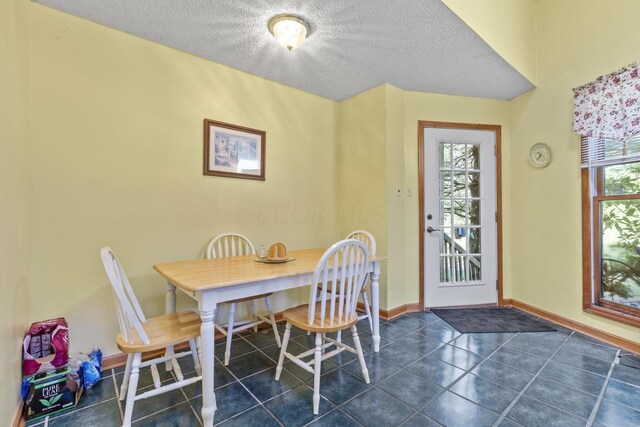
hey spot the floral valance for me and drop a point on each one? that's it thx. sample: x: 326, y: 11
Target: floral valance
x: 609, y: 107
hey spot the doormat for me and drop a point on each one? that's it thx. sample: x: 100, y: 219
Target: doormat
x: 486, y: 320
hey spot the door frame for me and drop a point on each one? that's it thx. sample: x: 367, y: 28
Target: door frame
x: 422, y: 125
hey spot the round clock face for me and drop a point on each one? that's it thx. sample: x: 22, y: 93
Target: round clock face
x: 540, y: 155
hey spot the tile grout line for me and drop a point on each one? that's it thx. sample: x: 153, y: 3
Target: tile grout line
x: 412, y: 412
x: 415, y: 411
x: 155, y: 413
x: 186, y: 398
x: 115, y: 386
x: 337, y: 407
x: 419, y: 414
x: 173, y: 378
x: 596, y: 407
x: 303, y: 382
x: 526, y: 387
x: 193, y: 410
x: 449, y: 342
x: 468, y: 372
x: 247, y: 389
x: 547, y: 379
x: 563, y: 362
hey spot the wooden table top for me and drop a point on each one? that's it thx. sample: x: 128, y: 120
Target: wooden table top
x: 205, y: 274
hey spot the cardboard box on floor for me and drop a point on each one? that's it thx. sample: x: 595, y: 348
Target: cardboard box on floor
x: 51, y: 393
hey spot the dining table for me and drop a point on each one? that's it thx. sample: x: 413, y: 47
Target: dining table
x: 214, y: 281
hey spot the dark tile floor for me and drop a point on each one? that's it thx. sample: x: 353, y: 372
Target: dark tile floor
x: 426, y: 374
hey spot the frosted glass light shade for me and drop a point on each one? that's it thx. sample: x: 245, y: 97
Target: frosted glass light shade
x: 290, y: 31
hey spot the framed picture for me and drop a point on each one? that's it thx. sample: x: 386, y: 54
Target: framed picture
x: 233, y: 151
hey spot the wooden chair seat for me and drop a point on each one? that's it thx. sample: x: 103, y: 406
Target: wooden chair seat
x: 299, y: 317
x: 163, y: 331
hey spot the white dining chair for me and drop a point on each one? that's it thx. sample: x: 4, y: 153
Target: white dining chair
x: 344, y: 264
x: 370, y: 241
x: 233, y: 244
x: 139, y: 335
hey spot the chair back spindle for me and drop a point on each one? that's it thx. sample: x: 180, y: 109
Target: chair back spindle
x: 229, y: 244
x: 366, y: 238
x: 344, y: 264
x: 128, y: 309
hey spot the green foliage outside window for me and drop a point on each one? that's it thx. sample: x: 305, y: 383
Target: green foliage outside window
x: 621, y: 236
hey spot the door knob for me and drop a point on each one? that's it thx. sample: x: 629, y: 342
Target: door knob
x: 430, y: 229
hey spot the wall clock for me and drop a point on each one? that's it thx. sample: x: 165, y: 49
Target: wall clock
x: 540, y: 155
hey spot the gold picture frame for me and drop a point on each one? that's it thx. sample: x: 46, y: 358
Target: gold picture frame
x: 234, y: 151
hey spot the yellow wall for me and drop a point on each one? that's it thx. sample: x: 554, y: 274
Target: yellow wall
x: 14, y: 202
x: 116, y: 159
x: 578, y: 42
x: 362, y: 184
x: 508, y: 26
x: 395, y: 265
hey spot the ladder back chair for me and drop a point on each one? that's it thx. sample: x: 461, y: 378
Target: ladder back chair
x: 228, y: 245
x: 343, y: 264
x: 139, y: 334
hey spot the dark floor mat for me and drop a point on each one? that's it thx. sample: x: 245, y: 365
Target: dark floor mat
x: 495, y: 319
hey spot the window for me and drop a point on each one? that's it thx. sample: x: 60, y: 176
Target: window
x: 606, y: 112
x: 611, y: 227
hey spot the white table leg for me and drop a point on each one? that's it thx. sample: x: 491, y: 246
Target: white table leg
x: 170, y: 307
x: 170, y: 300
x: 207, y: 362
x: 375, y: 306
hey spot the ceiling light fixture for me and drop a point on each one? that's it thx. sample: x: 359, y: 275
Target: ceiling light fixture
x: 289, y: 30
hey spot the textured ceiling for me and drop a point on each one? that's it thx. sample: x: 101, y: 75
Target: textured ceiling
x: 354, y: 45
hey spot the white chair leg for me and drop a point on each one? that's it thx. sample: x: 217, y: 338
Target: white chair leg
x: 267, y: 301
x: 339, y: 336
x: 168, y: 365
x: 367, y: 309
x: 317, y: 370
x: 356, y: 341
x: 131, y: 393
x: 317, y: 297
x: 125, y: 379
x: 196, y: 358
x: 252, y: 307
x: 199, y: 346
x: 283, y: 349
x: 227, y: 351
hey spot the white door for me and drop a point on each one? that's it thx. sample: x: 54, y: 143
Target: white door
x: 460, y: 217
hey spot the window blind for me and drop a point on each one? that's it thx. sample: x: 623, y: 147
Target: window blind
x: 605, y: 151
